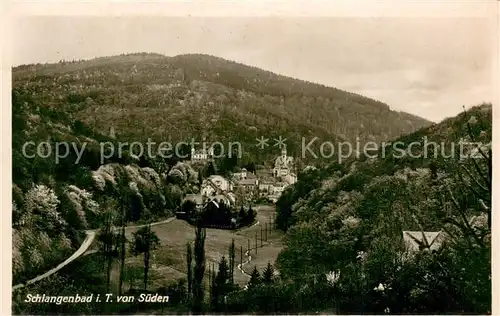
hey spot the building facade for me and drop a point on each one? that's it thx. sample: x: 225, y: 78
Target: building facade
x: 283, y: 164
x: 202, y: 155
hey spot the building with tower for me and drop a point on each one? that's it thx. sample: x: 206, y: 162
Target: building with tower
x: 202, y: 155
x: 283, y: 165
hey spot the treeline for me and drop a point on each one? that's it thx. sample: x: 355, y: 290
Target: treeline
x: 138, y: 95
x: 345, y: 229
x: 55, y: 201
x: 218, y: 215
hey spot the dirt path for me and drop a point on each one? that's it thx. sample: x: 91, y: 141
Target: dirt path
x: 144, y: 225
x: 85, y: 245
x: 89, y: 239
x: 91, y: 234
x: 247, y: 253
x: 240, y: 266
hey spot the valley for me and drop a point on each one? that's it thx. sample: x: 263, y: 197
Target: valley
x: 266, y: 231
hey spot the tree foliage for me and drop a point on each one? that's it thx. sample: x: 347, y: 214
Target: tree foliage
x: 144, y: 241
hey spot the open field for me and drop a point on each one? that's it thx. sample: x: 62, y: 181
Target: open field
x: 168, y: 262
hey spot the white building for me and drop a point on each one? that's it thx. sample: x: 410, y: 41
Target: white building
x: 197, y: 199
x: 278, y: 188
x: 201, y: 155
x: 417, y: 240
x: 221, y: 199
x: 283, y: 165
x: 240, y: 175
x: 290, y: 178
x: 216, y: 184
x: 266, y: 187
x: 208, y: 188
x: 222, y: 183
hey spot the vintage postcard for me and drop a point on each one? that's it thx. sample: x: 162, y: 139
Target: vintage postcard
x: 296, y: 157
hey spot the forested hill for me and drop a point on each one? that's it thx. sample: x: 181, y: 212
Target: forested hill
x: 351, y: 217
x: 177, y: 98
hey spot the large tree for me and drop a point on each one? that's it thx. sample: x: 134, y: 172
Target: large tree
x: 108, y: 241
x: 268, y: 274
x: 189, y: 268
x: 199, y: 267
x: 221, y: 285
x: 144, y: 241
x: 232, y: 255
x: 254, y: 277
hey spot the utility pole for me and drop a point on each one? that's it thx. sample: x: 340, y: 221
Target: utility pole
x: 255, y: 242
x: 265, y: 233
x: 209, y: 275
x: 260, y: 236
x: 122, y: 250
x: 270, y: 225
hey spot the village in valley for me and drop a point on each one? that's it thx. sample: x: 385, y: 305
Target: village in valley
x: 239, y: 190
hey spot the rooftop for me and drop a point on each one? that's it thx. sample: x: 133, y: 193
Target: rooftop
x: 414, y: 239
x: 196, y: 198
x: 248, y: 182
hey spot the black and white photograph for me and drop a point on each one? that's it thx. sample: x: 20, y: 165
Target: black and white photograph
x: 253, y: 160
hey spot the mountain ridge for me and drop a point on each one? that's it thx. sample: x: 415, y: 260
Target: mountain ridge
x: 221, y: 59
x: 180, y: 57
x: 199, y: 95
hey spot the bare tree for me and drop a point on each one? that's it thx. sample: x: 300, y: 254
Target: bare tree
x: 473, y: 179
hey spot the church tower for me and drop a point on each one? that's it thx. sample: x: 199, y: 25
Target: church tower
x: 283, y: 153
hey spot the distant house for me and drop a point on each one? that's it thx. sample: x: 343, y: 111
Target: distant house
x: 231, y: 197
x: 201, y: 202
x: 240, y: 175
x: 221, y: 183
x: 309, y: 168
x: 249, y: 185
x: 197, y: 199
x: 251, y: 175
x: 266, y: 187
x: 264, y: 173
x: 202, y: 155
x: 273, y: 198
x: 216, y: 184
x: 221, y: 199
x: 417, y: 240
x: 208, y: 188
x: 278, y: 188
x: 290, y: 178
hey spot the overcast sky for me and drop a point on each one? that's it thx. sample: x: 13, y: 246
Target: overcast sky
x: 429, y: 67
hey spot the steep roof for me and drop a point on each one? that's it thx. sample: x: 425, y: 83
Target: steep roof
x: 251, y: 175
x: 283, y: 162
x: 248, y: 182
x: 415, y: 238
x: 216, y: 176
x: 208, y: 182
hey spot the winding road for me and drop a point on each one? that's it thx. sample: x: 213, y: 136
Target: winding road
x: 240, y: 266
x: 247, y: 253
x: 89, y: 239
